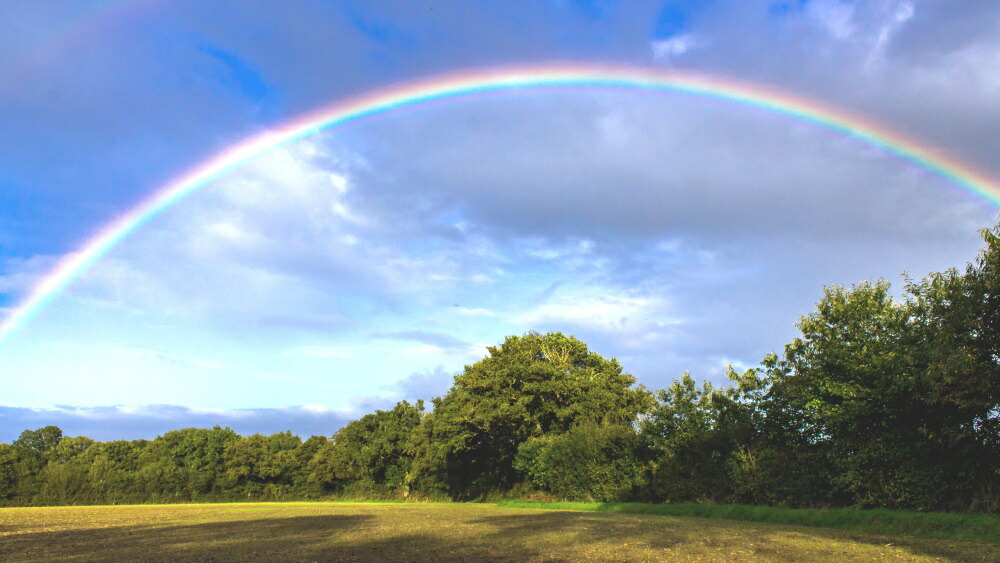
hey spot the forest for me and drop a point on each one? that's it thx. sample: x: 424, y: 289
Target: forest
x: 883, y: 400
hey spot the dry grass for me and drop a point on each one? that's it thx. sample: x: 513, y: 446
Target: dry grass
x: 368, y: 531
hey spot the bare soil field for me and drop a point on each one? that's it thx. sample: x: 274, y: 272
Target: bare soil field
x: 408, y: 532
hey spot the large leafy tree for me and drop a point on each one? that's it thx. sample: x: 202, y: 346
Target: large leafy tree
x: 527, y: 387
x: 259, y: 466
x: 956, y: 332
x: 849, y: 379
x: 112, y: 471
x: 32, y: 451
x: 186, y: 464
x: 902, y: 398
x: 8, y: 472
x: 369, y: 453
x: 689, y: 448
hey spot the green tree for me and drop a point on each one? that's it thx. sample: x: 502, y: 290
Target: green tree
x: 8, y: 472
x: 688, y: 443
x: 776, y: 458
x: 901, y: 397
x: 369, y: 455
x: 187, y: 464
x: 307, y: 450
x: 112, y: 469
x: 955, y: 322
x: 850, y: 375
x: 528, y: 386
x: 32, y: 451
x: 259, y: 467
x: 589, y: 462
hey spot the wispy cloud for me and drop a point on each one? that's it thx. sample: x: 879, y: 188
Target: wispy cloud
x: 836, y: 16
x: 602, y: 308
x: 19, y: 275
x: 440, y: 340
x: 667, y: 50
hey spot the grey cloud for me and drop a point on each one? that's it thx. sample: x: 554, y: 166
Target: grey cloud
x: 658, y: 171
x: 940, y: 26
x: 426, y: 385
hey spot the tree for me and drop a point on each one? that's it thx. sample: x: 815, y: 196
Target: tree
x: 688, y: 442
x: 369, y: 453
x: 8, y: 472
x: 41, y: 441
x: 112, y: 469
x: 589, y: 462
x: 307, y: 450
x: 778, y: 457
x: 527, y: 387
x: 902, y: 397
x: 32, y: 451
x: 955, y: 321
x: 187, y: 464
x: 259, y: 466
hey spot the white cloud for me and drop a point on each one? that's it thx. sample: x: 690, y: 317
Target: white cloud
x: 972, y: 72
x: 668, y: 49
x: 897, y: 18
x: 836, y: 16
x: 20, y: 275
x: 598, y: 308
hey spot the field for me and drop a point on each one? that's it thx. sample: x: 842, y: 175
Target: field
x: 396, y: 531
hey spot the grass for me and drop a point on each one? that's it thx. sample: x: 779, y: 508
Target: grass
x: 433, y: 531
x: 968, y: 527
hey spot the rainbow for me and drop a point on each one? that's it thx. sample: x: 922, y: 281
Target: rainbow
x: 464, y: 84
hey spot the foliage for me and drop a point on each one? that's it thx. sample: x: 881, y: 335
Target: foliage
x: 370, y: 452
x: 527, y: 387
x: 688, y: 446
x: 590, y: 461
x: 8, y: 472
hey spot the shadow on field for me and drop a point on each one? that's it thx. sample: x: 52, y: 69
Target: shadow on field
x: 312, y: 538
x: 269, y: 538
x: 584, y: 528
x: 416, y: 533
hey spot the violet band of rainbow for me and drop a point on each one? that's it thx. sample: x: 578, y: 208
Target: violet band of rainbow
x: 470, y: 83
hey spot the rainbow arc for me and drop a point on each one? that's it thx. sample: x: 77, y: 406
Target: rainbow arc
x: 464, y: 84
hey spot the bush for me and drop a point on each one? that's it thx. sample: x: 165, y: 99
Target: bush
x: 595, y: 462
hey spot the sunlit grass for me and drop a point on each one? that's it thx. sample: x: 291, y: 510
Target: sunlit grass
x: 971, y: 527
x: 432, y: 531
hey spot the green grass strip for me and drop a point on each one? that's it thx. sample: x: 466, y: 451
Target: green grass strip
x: 969, y: 527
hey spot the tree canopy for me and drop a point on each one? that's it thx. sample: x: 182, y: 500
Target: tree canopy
x: 529, y: 386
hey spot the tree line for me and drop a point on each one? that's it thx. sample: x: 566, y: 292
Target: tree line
x: 881, y: 401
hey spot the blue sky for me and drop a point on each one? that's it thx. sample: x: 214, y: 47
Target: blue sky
x: 368, y: 264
